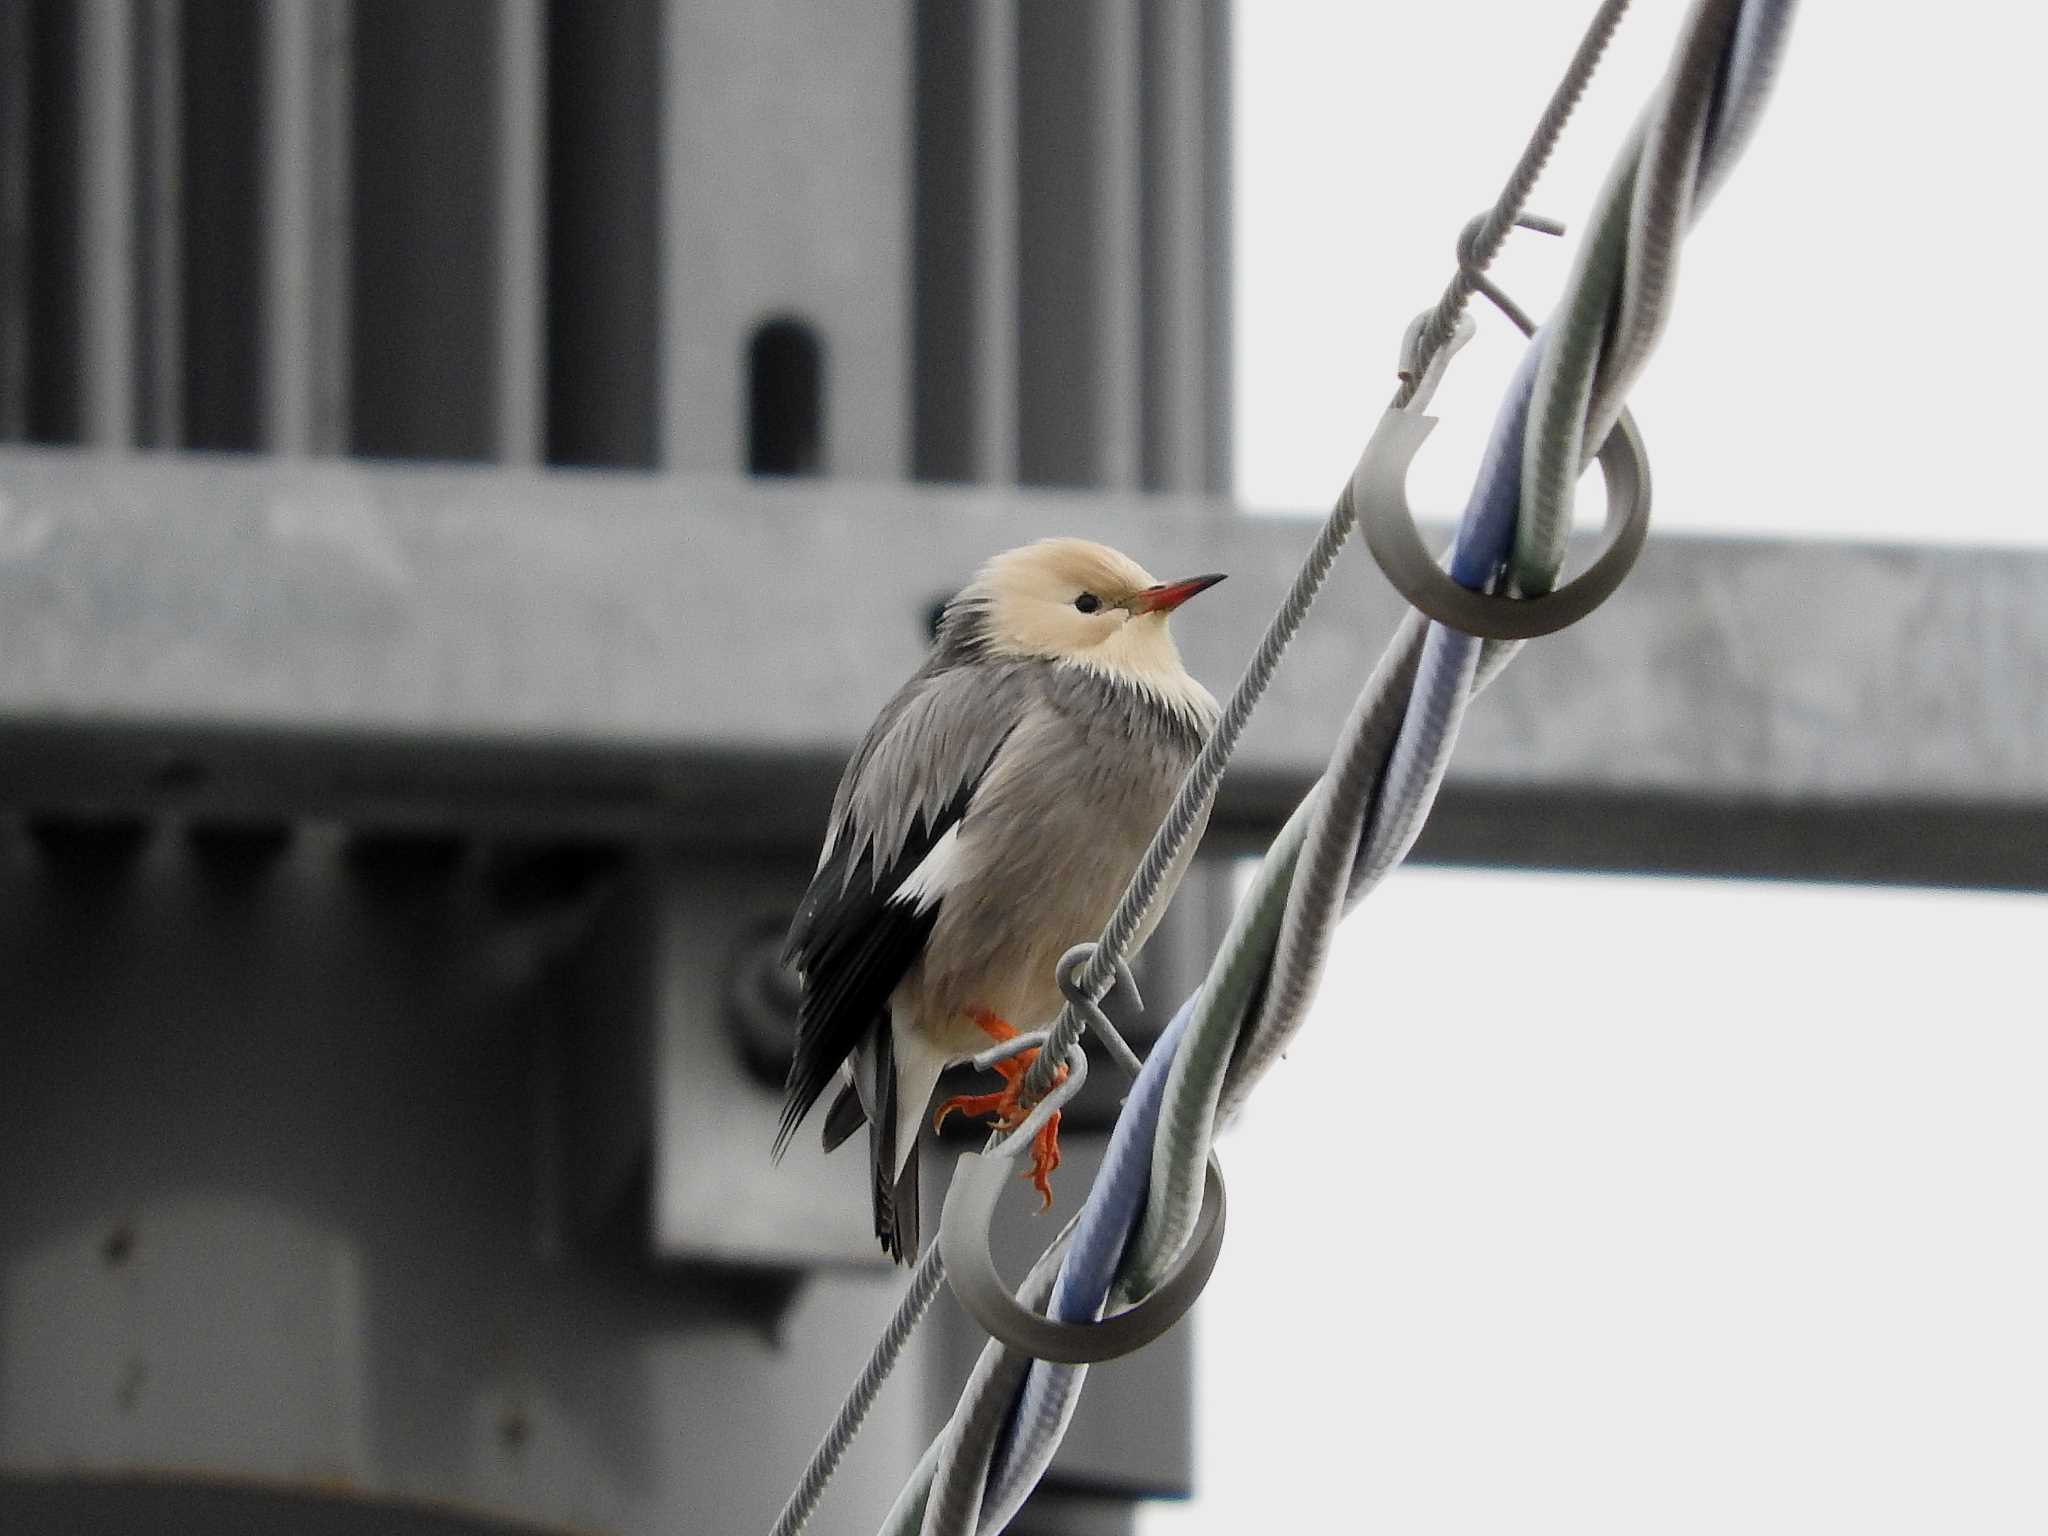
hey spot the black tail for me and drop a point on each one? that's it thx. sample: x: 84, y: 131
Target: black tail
x: 895, y: 1198
x: 896, y: 1211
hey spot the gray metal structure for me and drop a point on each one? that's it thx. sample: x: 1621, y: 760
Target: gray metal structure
x: 392, y: 849
x: 388, y: 1077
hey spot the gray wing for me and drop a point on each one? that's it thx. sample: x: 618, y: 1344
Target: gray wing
x: 928, y: 748
x: 911, y: 781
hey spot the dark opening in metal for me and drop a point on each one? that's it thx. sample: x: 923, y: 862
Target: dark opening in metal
x: 786, y: 399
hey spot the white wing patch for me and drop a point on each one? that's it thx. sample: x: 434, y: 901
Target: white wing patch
x: 938, y: 872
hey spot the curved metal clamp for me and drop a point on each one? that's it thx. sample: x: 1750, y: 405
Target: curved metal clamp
x: 978, y: 1182
x: 1380, y: 491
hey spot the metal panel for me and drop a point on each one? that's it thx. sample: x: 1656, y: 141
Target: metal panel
x: 785, y: 192
x: 716, y: 1196
x: 272, y: 1198
x: 498, y: 646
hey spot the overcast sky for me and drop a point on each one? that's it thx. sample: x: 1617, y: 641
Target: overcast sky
x: 1855, y: 344
x: 1745, y: 1231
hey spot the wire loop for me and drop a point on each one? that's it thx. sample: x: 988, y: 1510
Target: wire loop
x: 1474, y: 273
x: 1072, y: 974
x: 964, y: 1227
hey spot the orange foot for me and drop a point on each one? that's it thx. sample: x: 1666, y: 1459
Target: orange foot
x: 1005, y: 1106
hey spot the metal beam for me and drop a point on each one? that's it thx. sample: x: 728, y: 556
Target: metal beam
x: 698, y: 657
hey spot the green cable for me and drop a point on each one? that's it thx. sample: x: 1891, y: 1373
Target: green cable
x: 1617, y: 297
x: 1187, y: 1114
x: 1554, y: 448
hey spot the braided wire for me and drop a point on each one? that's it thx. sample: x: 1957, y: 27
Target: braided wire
x: 925, y: 1281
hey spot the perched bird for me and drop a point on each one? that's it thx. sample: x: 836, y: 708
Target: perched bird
x: 988, y: 823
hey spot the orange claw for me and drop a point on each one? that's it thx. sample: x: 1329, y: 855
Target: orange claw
x: 1008, y: 1111
x: 1045, y: 1156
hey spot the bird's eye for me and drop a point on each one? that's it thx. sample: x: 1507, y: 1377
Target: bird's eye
x: 1088, y: 602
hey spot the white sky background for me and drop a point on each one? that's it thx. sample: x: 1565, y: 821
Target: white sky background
x: 1744, y: 1231
x: 1857, y: 339
x: 1733, y: 1221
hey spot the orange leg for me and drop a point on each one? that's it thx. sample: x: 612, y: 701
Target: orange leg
x: 1005, y: 1106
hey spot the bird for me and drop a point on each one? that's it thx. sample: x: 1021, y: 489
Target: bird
x: 989, y: 821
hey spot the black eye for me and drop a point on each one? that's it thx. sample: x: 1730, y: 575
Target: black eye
x: 1088, y: 602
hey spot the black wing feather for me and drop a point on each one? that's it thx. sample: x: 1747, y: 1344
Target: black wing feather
x: 846, y: 1116
x: 853, y: 942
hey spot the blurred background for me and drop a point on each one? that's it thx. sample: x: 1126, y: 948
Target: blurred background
x: 472, y: 470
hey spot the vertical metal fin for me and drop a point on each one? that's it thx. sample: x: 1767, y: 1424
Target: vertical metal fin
x: 521, y: 233
x: 306, y: 175
x: 107, y: 234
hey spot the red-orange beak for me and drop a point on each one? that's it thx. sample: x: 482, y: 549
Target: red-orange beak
x: 1169, y: 595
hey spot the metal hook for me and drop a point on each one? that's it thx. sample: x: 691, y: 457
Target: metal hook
x: 1475, y: 276
x: 1076, y: 959
x: 1380, y: 491
x: 1068, y: 972
x: 964, y: 1225
x: 1423, y: 381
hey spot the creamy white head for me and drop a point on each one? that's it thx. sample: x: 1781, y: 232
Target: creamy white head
x: 1082, y: 604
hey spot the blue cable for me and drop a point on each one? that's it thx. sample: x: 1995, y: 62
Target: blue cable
x: 1093, y: 1254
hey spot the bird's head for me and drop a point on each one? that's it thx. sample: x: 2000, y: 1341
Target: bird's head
x: 1073, y: 601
